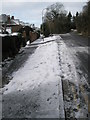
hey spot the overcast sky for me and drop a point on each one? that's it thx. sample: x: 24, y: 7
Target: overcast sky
x: 31, y: 12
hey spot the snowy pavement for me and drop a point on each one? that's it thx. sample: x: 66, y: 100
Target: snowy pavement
x: 46, y: 86
x: 36, y: 85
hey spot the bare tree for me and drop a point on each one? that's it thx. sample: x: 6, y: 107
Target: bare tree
x: 56, y: 20
x: 82, y: 20
x: 54, y: 11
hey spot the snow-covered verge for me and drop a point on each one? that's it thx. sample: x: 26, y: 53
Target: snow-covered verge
x: 75, y: 98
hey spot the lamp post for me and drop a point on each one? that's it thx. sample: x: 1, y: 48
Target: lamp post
x: 43, y: 21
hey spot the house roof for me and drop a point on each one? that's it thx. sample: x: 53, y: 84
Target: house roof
x: 16, y: 21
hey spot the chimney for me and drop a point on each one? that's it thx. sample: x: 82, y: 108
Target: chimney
x: 8, y: 19
x: 12, y: 17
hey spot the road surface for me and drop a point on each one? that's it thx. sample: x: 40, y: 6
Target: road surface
x: 78, y: 47
x: 48, y: 80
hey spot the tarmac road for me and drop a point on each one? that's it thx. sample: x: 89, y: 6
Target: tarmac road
x: 78, y: 47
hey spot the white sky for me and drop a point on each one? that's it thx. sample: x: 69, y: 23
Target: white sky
x: 31, y: 12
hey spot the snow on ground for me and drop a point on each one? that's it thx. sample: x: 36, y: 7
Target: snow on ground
x: 47, y: 39
x: 38, y: 67
x: 67, y: 64
x: 41, y: 70
x: 70, y: 76
x: 51, y: 38
x: 44, y: 70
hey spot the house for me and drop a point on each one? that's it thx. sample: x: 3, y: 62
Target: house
x: 3, y: 18
x: 9, y: 24
x: 13, y: 24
